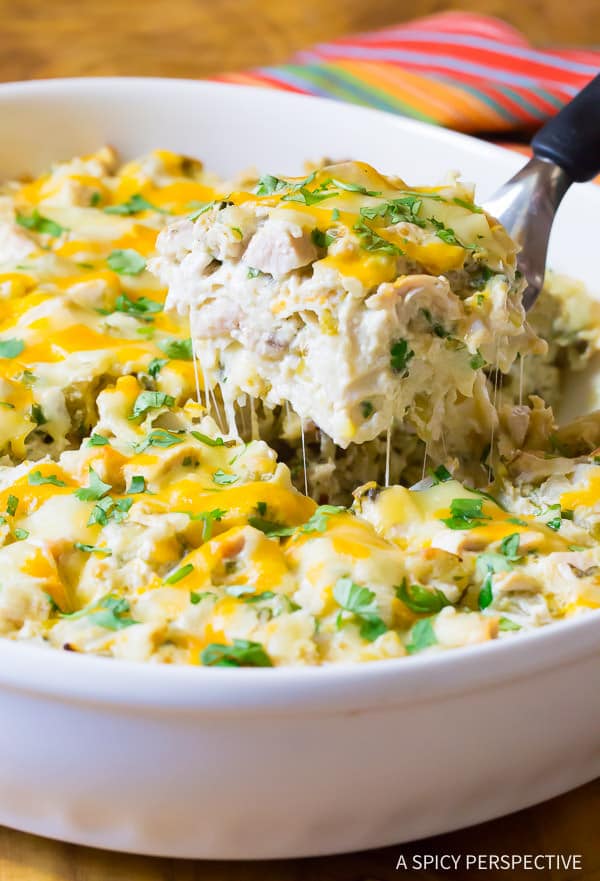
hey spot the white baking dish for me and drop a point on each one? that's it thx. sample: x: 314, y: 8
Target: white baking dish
x: 247, y: 763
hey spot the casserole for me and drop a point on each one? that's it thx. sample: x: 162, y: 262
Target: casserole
x: 310, y: 738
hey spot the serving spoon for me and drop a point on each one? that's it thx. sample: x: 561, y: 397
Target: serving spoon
x: 565, y: 151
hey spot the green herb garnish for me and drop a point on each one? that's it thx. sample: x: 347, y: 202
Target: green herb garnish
x: 36, y: 478
x: 133, y: 205
x: 155, y: 366
x: 362, y: 603
x: 366, y: 408
x: 242, y: 653
x: 180, y: 574
x: 11, y: 348
x: 146, y: 401
x: 92, y: 549
x: 37, y: 223
x: 126, y: 261
x: 209, y: 441
x: 137, y: 485
x: 158, y: 437
x: 208, y: 518
x: 95, y: 490
x: 141, y: 307
x: 421, y: 636
x: 465, y: 514
x: 224, y: 479
x: 421, y: 600
x: 400, y: 355
x: 371, y: 241
x: 179, y: 350
x: 510, y: 546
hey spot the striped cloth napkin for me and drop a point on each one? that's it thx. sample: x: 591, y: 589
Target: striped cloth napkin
x: 468, y: 72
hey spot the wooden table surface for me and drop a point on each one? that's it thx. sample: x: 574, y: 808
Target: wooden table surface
x: 196, y: 38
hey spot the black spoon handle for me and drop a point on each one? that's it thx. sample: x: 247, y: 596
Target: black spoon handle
x: 572, y: 138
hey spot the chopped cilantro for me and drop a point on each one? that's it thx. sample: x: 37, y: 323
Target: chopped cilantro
x: 12, y: 504
x: 36, y: 478
x: 113, y: 614
x: 260, y: 597
x: 180, y: 574
x: 362, y: 603
x: 110, y: 612
x: 196, y: 598
x: 208, y: 518
x: 126, y: 261
x: 510, y: 546
x: 271, y: 528
x: 37, y: 415
x: 268, y: 185
x: 404, y: 210
x: 209, y: 441
x: 7, y: 405
x: 95, y: 490
x: 21, y: 534
x: 133, y: 205
x: 505, y: 624
x: 158, y: 437
x: 242, y: 653
x: 92, y: 549
x: 371, y: 241
x: 146, y: 401
x: 321, y: 239
x: 201, y: 208
x: 366, y: 408
x: 143, y: 306
x: 155, y: 366
x: 11, y: 348
x: 477, y: 361
x: 465, y: 514
x: 179, y: 350
x: 95, y: 199
x: 353, y: 188
x: 224, y: 479
x: 421, y: 600
x: 400, y: 355
x: 438, y: 329
x: 108, y: 509
x: 486, y: 596
x: 307, y: 197
x: 254, y: 273
x: 37, y: 223
x: 421, y: 636
x: 97, y: 440
x: 137, y: 485
x: 446, y: 234
x: 441, y: 475
x: 318, y: 521
x: 470, y: 206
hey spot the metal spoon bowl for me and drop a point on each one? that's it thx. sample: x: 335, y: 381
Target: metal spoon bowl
x: 565, y: 151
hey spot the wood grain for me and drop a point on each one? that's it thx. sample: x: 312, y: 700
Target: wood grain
x: 566, y: 825
x: 195, y: 38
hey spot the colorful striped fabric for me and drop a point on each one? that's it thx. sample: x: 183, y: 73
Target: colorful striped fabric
x: 468, y: 72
